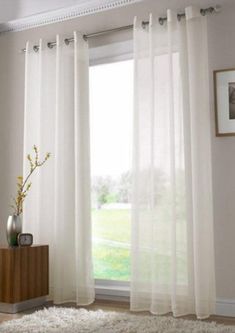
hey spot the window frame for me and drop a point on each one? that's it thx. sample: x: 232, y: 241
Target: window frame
x: 106, y: 54
x: 110, y: 53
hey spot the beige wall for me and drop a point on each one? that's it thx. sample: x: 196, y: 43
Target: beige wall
x: 221, y: 29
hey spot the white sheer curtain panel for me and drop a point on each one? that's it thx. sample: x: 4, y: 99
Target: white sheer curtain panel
x: 172, y: 216
x: 57, y: 210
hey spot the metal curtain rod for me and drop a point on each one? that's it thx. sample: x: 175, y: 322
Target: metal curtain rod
x: 161, y: 20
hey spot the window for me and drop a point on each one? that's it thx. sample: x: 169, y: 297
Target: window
x: 111, y: 95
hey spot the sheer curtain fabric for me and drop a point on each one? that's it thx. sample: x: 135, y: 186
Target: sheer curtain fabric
x: 57, y: 210
x: 172, y: 216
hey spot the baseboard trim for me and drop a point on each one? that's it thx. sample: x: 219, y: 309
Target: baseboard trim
x: 225, y: 307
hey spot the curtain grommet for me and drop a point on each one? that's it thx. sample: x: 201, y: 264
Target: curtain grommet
x: 144, y: 24
x: 50, y: 45
x: 36, y: 48
x: 180, y: 16
x: 161, y: 20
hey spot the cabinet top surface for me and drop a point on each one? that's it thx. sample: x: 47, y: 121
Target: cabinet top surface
x: 6, y: 247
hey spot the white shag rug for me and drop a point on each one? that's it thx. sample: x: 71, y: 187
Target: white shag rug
x: 69, y: 320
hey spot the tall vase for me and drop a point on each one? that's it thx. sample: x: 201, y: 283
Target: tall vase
x: 14, y: 227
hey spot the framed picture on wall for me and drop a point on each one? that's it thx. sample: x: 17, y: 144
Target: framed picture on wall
x: 224, y: 90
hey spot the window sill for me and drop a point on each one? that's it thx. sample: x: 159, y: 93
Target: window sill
x: 112, y: 290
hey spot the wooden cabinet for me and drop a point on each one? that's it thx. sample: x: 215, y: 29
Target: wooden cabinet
x: 24, y: 273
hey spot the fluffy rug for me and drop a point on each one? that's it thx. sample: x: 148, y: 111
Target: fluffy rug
x: 68, y: 320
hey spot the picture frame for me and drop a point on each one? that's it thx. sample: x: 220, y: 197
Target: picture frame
x: 224, y: 94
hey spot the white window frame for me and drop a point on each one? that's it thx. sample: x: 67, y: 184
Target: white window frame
x: 109, y: 53
x: 112, y: 289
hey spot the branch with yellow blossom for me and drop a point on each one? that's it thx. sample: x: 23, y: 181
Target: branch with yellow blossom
x: 23, y: 186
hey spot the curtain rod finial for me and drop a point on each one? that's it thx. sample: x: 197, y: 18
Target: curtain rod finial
x: 217, y: 8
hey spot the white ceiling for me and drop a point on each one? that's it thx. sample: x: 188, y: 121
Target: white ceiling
x: 16, y: 9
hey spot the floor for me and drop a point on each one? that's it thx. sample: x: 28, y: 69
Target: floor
x: 116, y: 306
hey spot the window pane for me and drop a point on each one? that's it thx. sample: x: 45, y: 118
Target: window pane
x: 111, y: 96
